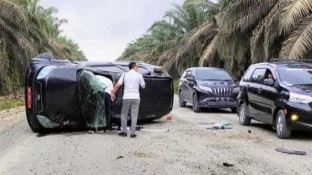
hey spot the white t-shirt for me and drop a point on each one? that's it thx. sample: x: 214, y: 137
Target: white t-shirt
x: 132, y: 82
x: 107, y: 82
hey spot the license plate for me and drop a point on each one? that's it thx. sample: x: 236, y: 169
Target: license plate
x: 223, y: 99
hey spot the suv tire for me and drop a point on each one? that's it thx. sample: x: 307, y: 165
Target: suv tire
x: 195, y: 106
x: 283, y: 131
x: 182, y: 103
x: 243, y: 118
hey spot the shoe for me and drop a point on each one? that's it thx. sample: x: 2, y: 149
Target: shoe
x: 133, y: 136
x: 91, y: 132
x: 123, y: 134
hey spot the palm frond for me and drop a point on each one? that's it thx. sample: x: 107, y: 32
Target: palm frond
x: 299, y: 44
x: 241, y: 15
x: 294, y: 11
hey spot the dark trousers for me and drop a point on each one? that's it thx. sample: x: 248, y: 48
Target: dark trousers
x: 108, y: 110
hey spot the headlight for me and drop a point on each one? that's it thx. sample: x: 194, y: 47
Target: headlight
x: 299, y: 98
x: 203, y: 88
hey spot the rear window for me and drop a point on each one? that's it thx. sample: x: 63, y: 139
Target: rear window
x: 45, y: 72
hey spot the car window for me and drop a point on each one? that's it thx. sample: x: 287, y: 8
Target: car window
x: 258, y: 75
x: 248, y: 74
x: 183, y: 75
x: 268, y: 74
x: 188, y: 74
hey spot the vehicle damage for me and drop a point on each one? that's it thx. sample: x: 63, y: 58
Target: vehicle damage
x: 62, y: 94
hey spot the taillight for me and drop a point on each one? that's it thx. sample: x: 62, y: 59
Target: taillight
x: 29, y: 98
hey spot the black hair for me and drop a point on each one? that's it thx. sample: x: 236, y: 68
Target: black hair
x: 132, y: 65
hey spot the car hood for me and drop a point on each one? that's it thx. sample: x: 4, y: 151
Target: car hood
x: 218, y: 83
x: 304, y: 89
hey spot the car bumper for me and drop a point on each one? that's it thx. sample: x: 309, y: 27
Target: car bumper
x: 304, y: 113
x: 206, y: 100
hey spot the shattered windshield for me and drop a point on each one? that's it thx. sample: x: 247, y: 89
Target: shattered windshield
x: 212, y: 74
x: 296, y: 75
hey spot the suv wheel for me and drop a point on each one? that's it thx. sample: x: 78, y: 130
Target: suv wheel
x: 182, y: 103
x: 282, y: 129
x: 243, y: 118
x: 195, y: 106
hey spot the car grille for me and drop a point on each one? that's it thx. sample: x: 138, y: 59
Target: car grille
x: 222, y: 92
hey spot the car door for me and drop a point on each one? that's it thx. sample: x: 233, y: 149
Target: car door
x: 183, y: 85
x: 254, y: 93
x: 189, y: 83
x: 268, y: 94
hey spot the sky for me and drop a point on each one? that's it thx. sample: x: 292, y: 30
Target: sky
x: 104, y: 28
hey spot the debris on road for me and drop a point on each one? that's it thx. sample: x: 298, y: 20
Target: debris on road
x: 169, y: 117
x: 120, y: 157
x: 249, y: 131
x: 293, y: 152
x: 221, y: 125
x: 227, y: 164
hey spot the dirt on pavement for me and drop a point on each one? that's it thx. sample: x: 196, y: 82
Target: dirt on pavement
x: 10, y: 117
x: 180, y: 146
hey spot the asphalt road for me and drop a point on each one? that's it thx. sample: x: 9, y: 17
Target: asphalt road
x: 180, y: 146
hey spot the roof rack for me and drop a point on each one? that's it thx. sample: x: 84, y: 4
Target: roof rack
x: 287, y: 60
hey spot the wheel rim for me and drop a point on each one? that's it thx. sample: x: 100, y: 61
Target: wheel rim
x: 242, y: 114
x: 279, y: 124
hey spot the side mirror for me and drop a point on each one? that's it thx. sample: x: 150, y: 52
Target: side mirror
x: 269, y: 82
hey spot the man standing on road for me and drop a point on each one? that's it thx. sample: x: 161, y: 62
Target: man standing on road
x: 131, y: 81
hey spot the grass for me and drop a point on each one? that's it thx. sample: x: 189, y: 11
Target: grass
x: 7, y: 103
x: 176, y: 86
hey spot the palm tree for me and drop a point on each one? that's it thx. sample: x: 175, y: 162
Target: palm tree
x: 232, y: 34
x: 27, y: 29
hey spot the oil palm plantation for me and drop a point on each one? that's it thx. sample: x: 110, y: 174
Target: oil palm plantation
x: 180, y: 28
x: 234, y: 34
x: 27, y: 29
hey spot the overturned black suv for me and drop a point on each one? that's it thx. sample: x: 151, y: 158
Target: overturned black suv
x: 278, y: 93
x: 53, y: 98
x: 207, y: 87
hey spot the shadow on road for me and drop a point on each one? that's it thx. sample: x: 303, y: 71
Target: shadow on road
x: 75, y: 131
x: 296, y: 135
x: 213, y: 110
